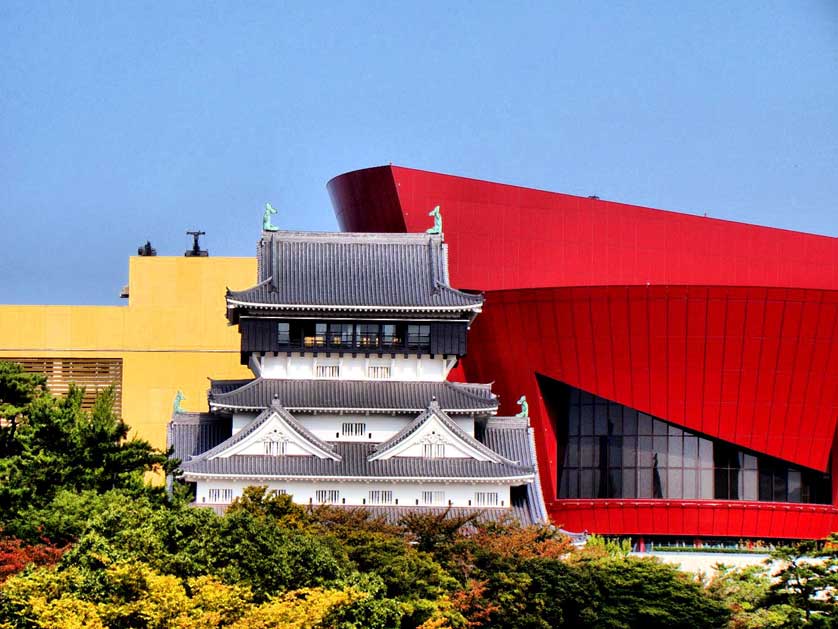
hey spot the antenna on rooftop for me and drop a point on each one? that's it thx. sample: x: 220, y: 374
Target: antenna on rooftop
x: 196, y: 251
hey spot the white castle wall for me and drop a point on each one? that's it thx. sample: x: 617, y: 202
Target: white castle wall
x: 356, y: 493
x: 403, y: 368
x: 328, y: 426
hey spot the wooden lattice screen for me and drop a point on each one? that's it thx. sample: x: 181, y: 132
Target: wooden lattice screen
x: 94, y: 374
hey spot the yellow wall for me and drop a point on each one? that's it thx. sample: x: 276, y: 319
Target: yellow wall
x: 172, y: 335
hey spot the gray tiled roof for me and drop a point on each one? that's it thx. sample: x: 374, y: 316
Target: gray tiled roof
x: 353, y: 463
x: 274, y: 409
x: 393, y: 514
x: 433, y: 410
x: 193, y: 433
x: 352, y: 395
x: 352, y: 270
x: 513, y: 438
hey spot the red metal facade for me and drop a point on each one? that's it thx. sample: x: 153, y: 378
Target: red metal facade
x: 723, y: 328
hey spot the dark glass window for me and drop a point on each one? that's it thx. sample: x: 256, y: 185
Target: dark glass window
x: 727, y: 462
x: 367, y: 335
x: 316, y: 336
x: 612, y: 451
x: 283, y: 333
x: 390, y: 336
x: 340, y: 334
x: 418, y: 336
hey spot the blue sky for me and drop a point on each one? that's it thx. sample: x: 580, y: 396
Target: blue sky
x: 121, y: 122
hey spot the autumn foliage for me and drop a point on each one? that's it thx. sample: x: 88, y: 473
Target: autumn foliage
x: 15, y: 555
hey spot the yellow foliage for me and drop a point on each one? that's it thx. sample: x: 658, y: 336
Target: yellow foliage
x: 298, y: 609
x: 66, y: 613
x: 214, y: 604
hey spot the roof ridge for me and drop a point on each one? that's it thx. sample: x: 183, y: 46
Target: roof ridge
x: 462, y: 387
x: 349, y: 237
x: 265, y: 282
x: 245, y: 387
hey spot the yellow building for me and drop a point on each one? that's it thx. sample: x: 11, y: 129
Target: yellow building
x: 172, y: 335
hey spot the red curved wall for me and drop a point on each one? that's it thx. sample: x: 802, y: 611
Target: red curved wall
x: 724, y: 328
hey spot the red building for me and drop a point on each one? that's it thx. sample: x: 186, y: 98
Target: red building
x: 682, y: 371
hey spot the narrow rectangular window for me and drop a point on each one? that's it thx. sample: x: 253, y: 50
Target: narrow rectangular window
x: 327, y: 496
x: 327, y: 371
x: 276, y: 448
x: 433, y: 450
x: 486, y: 498
x: 283, y: 333
x: 380, y: 497
x: 220, y: 496
x: 379, y: 372
x: 433, y: 497
x: 353, y: 429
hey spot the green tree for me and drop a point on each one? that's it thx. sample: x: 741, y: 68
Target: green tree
x: 808, y: 580
x: 745, y: 592
x: 53, y: 444
x: 17, y: 390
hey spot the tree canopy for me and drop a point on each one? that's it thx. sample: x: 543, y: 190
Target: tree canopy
x: 84, y: 542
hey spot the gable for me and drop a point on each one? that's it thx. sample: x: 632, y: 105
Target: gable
x: 273, y: 433
x: 434, y: 435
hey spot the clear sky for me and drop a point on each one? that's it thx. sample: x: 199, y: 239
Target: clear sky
x: 127, y: 121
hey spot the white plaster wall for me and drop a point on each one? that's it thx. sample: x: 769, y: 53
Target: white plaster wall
x: 240, y: 420
x: 355, y: 493
x: 326, y: 427
x: 405, y: 369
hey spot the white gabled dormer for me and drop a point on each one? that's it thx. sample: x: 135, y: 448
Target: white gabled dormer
x: 274, y: 432
x: 434, y: 435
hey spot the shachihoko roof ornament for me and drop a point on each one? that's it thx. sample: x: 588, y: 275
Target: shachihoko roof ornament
x: 266, y: 219
x: 437, y: 228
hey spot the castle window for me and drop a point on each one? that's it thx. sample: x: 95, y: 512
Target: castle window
x: 340, y: 334
x: 390, y: 336
x: 220, y: 496
x: 283, y: 333
x: 379, y: 372
x: 433, y: 497
x: 486, y: 498
x: 353, y: 429
x: 380, y: 497
x: 433, y: 450
x: 367, y: 335
x: 318, y: 339
x: 327, y: 371
x: 419, y: 336
x: 275, y: 447
x: 327, y: 496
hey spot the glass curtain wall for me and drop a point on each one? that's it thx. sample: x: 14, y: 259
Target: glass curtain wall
x: 613, y: 451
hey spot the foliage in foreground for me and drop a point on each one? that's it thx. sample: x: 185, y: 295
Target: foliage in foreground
x: 85, y: 543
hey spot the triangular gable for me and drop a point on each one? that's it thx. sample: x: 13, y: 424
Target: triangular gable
x: 275, y: 425
x: 434, y: 427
